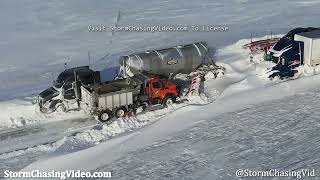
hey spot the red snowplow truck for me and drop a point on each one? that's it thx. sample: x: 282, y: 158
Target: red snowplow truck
x: 119, y: 97
x: 159, y: 91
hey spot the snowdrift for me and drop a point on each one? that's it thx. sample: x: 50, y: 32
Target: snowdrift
x: 22, y: 112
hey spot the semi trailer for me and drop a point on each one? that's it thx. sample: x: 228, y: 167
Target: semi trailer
x: 298, y: 47
x: 119, y: 97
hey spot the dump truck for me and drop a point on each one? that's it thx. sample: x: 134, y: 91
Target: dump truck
x: 299, y: 47
x: 119, y: 97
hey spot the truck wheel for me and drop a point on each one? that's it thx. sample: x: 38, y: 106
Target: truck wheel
x: 61, y: 108
x: 105, y: 116
x: 120, y: 112
x: 43, y: 109
x: 168, y: 101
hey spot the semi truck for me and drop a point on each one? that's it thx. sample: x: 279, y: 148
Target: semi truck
x: 298, y: 47
x: 119, y: 97
x: 63, y: 91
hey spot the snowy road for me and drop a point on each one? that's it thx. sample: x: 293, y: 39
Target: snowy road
x: 154, y: 132
x: 29, y: 136
x: 236, y: 130
x: 20, y: 146
x: 253, y: 123
x: 283, y: 135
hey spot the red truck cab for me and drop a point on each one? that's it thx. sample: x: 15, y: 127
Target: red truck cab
x: 159, y: 91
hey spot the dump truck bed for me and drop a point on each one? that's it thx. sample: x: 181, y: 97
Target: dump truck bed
x: 112, y: 94
x: 93, y: 102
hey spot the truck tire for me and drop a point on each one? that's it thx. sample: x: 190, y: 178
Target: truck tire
x: 53, y: 104
x: 43, y: 110
x: 105, y: 116
x: 168, y: 101
x: 61, y: 108
x: 120, y: 112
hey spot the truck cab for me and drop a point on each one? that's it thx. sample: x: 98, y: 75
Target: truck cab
x: 64, y: 87
x: 287, y: 49
x: 159, y: 91
x: 287, y: 53
x: 65, y: 80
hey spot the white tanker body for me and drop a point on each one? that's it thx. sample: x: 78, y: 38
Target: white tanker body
x: 178, y: 59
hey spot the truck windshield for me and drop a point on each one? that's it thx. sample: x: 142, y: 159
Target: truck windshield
x: 282, y: 43
x: 156, y: 85
x: 58, y: 83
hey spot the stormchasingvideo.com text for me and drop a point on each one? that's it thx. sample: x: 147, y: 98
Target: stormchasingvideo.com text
x: 158, y: 28
x: 56, y: 174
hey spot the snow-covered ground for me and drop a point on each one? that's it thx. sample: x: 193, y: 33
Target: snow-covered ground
x: 213, y: 141
x: 282, y: 135
x: 250, y: 122
x: 232, y: 93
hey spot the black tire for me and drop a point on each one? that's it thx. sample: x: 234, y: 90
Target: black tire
x: 105, y: 116
x: 61, y: 107
x: 169, y: 100
x: 120, y: 112
x: 43, y: 110
x: 54, y: 103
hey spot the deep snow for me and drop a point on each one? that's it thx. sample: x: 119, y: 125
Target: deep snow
x: 240, y: 128
x: 229, y: 93
x: 232, y: 93
x: 252, y: 135
x: 282, y: 135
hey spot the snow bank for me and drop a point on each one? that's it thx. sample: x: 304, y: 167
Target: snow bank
x: 48, y: 148
x: 22, y: 112
x: 102, y: 132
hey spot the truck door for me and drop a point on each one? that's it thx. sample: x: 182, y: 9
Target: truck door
x: 68, y: 89
x: 147, y: 89
x: 156, y: 88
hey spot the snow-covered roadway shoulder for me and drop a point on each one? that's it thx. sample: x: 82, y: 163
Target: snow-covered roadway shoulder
x: 173, y: 123
x: 22, y: 112
x: 282, y: 135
